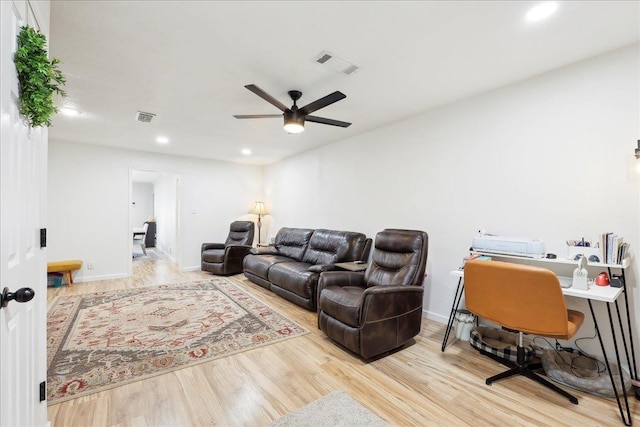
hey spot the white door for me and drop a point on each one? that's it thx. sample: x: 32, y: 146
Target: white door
x: 23, y: 168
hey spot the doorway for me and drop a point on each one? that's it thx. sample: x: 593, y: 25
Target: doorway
x: 154, y: 201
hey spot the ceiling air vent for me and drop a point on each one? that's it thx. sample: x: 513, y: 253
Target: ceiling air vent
x: 335, y: 64
x: 324, y: 58
x: 143, y: 117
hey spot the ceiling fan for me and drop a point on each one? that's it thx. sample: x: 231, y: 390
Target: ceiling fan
x: 295, y: 117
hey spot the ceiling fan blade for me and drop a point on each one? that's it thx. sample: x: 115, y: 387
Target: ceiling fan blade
x: 323, y: 102
x: 257, y: 116
x: 264, y: 95
x: 324, y: 121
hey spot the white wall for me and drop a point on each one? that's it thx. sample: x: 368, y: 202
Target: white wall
x: 142, y: 203
x: 89, y: 197
x: 546, y: 158
x: 166, y: 189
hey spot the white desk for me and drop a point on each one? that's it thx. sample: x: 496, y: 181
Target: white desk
x: 606, y: 294
x: 594, y: 292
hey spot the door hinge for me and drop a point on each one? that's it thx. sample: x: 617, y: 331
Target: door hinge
x: 43, y: 391
x: 43, y: 238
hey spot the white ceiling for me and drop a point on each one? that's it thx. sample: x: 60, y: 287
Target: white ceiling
x: 187, y: 62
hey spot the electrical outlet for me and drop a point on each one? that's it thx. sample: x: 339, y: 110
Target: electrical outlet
x: 89, y: 266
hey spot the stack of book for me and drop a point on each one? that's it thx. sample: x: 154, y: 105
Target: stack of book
x: 614, y: 248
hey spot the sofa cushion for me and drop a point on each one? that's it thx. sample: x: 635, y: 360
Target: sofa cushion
x: 331, y: 246
x: 259, y: 265
x: 342, y: 303
x: 213, y: 255
x: 292, y: 242
x: 295, y: 277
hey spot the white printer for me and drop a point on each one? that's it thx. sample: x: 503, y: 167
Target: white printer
x: 516, y: 246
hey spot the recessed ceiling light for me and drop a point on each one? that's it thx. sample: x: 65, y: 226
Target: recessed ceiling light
x: 162, y: 140
x: 68, y: 111
x: 541, y: 11
x: 246, y: 151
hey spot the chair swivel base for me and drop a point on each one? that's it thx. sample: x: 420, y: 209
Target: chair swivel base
x: 527, y: 371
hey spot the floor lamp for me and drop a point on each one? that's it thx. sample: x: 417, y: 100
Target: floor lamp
x: 259, y: 209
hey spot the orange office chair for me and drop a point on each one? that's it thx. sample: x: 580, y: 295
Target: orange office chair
x: 525, y: 299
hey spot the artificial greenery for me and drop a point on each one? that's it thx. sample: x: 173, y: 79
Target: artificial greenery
x: 38, y: 77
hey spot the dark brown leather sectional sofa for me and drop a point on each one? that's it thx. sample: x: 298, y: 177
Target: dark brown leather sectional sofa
x: 292, y: 266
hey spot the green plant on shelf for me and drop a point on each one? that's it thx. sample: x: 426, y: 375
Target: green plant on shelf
x: 38, y: 78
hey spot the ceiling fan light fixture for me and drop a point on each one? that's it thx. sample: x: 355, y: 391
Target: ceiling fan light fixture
x: 295, y: 117
x: 293, y: 122
x: 293, y: 127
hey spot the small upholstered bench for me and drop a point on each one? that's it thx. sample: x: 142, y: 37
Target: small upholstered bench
x: 65, y: 267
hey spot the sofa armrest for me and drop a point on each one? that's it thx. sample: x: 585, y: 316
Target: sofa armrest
x: 384, y: 302
x: 237, y: 251
x: 265, y: 250
x: 321, y: 268
x: 339, y: 278
x: 206, y: 246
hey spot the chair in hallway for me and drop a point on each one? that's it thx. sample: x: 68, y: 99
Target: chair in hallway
x: 140, y: 236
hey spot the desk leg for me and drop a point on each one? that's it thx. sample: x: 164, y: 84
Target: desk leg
x: 627, y: 421
x: 454, y: 308
x: 631, y: 361
x: 633, y: 370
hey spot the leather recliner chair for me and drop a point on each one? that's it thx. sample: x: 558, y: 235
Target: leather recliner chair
x: 379, y: 310
x: 226, y: 258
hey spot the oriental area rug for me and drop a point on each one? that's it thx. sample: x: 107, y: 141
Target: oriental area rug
x: 103, y: 340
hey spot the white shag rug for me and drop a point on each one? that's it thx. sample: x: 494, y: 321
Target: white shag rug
x: 333, y: 410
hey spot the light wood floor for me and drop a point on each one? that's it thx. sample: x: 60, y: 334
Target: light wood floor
x: 417, y: 386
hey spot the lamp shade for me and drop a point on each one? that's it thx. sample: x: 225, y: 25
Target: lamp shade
x: 258, y: 209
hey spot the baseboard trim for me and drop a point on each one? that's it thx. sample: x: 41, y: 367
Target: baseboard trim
x: 191, y: 268
x: 435, y: 316
x: 100, y: 277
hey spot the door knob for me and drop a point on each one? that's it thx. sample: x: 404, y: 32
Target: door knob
x: 21, y: 295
